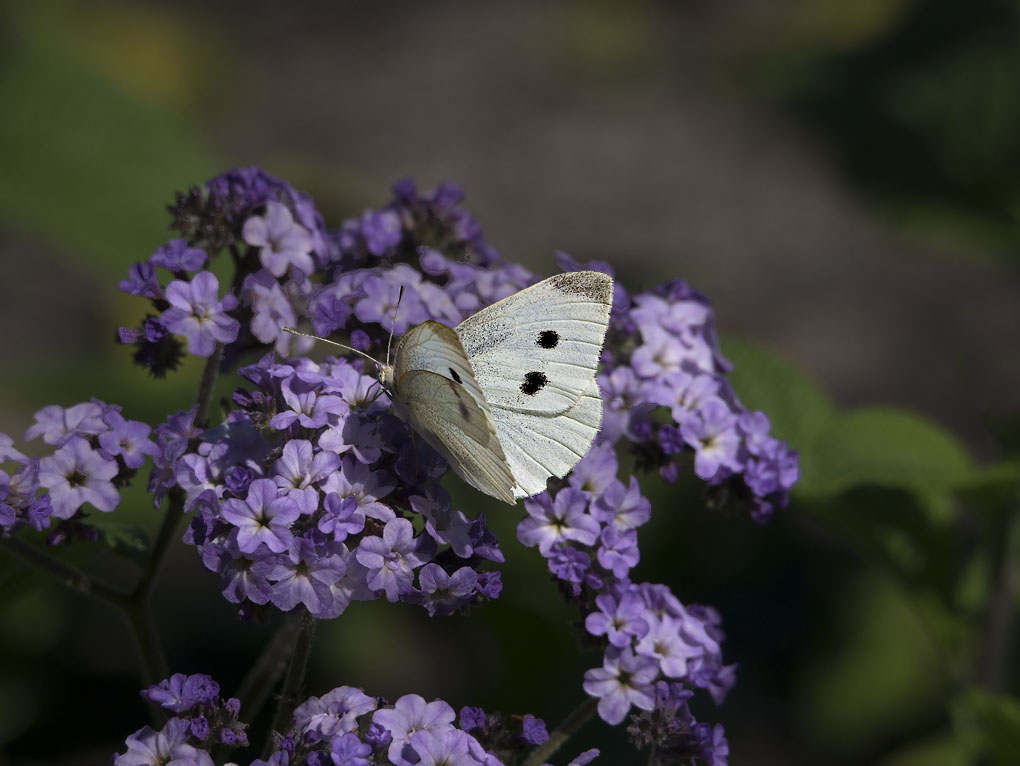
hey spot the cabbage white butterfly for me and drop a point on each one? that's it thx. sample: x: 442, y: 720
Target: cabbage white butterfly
x: 509, y: 397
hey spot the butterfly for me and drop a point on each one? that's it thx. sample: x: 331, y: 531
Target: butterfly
x: 509, y: 396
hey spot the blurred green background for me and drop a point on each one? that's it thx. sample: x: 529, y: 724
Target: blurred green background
x: 840, y: 177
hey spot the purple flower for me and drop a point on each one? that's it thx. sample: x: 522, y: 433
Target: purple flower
x: 147, y: 747
x: 391, y: 558
x: 142, y: 281
x: 304, y: 577
x: 665, y: 642
x: 308, y: 407
x: 272, y: 311
x: 621, y: 506
x: 181, y: 692
x: 533, y: 730
x: 56, y: 425
x: 196, y: 313
x: 333, y: 713
x: 411, y: 714
x: 713, y: 434
x: 620, y: 621
x: 263, y: 518
x: 447, y: 748
x: 127, y: 438
x: 379, y: 305
x: 177, y: 256
x: 7, y: 450
x: 357, y: 480
x: 596, y: 470
x: 341, y: 517
x: 347, y: 750
x: 552, y: 521
x: 443, y: 593
x: 619, y: 550
x: 381, y: 230
x: 300, y: 467
x: 624, y: 679
x: 76, y: 474
x: 283, y: 242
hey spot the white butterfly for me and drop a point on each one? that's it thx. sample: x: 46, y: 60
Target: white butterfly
x: 509, y: 396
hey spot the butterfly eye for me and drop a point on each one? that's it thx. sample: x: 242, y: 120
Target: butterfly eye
x: 548, y: 338
x: 455, y: 376
x: 533, y: 383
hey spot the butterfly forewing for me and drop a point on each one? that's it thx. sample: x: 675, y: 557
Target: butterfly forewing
x: 538, y: 350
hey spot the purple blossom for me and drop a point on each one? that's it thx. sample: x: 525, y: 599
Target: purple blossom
x: 263, y: 518
x: 712, y: 432
x: 148, y: 747
x: 444, y: 593
x: 308, y: 407
x: 619, y: 551
x: 181, y: 692
x: 551, y: 521
x: 283, y: 241
x: 533, y: 730
x: 410, y: 714
x: 300, y: 467
x: 127, y: 438
x: 333, y: 713
x: 347, y: 750
x: 177, y: 256
x: 596, y: 470
x: 391, y: 558
x: 358, y: 480
x: 57, y: 425
x: 381, y: 230
x: 76, y: 474
x: 447, y: 748
x: 142, y: 281
x: 665, y: 642
x: 198, y: 315
x: 622, y: 506
x: 304, y: 577
x: 624, y: 679
x: 621, y: 621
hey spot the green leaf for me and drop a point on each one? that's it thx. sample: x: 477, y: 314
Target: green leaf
x: 989, y: 725
x: 85, y: 163
x: 795, y: 404
x: 123, y: 538
x: 888, y: 448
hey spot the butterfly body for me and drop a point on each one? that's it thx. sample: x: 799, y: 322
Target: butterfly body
x: 509, y: 396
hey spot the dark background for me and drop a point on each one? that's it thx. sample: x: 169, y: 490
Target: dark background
x: 840, y: 177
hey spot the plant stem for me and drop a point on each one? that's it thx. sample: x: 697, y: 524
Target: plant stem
x: 166, y: 535
x: 993, y: 661
x: 68, y: 576
x: 293, y: 680
x: 268, y: 668
x: 581, y: 715
x: 205, y: 385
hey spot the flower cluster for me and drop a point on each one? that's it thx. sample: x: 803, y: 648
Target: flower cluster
x: 344, y: 727
x: 95, y: 451
x: 306, y: 496
x: 201, y: 720
x: 312, y: 494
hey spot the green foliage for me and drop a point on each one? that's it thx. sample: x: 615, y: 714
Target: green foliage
x: 989, y: 726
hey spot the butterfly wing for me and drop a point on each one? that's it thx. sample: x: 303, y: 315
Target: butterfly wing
x: 436, y: 393
x: 535, y: 355
x: 538, y: 350
x: 543, y: 445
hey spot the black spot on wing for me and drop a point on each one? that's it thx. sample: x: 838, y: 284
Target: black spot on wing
x: 548, y: 338
x: 533, y: 383
x: 455, y: 376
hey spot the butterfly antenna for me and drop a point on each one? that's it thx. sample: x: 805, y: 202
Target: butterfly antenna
x: 372, y: 359
x: 393, y: 324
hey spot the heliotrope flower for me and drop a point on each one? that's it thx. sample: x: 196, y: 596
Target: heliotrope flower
x: 198, y: 314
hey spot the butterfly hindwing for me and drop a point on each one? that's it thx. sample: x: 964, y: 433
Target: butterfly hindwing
x: 538, y: 350
x: 453, y: 422
x: 438, y: 395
